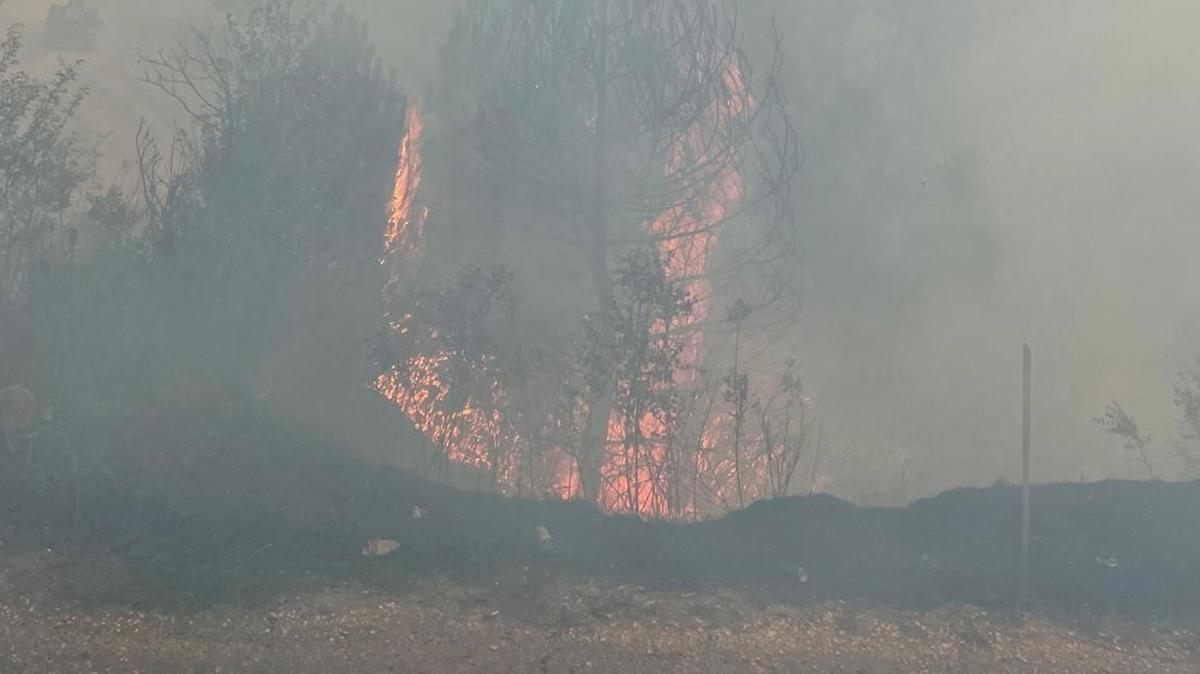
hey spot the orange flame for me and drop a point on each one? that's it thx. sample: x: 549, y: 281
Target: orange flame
x: 636, y: 478
x: 468, y: 431
x: 406, y: 220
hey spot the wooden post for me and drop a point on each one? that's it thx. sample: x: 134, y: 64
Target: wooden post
x: 1025, y: 371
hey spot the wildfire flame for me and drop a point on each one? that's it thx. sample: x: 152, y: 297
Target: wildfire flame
x: 467, y: 431
x: 685, y: 233
x: 406, y: 220
x: 474, y: 432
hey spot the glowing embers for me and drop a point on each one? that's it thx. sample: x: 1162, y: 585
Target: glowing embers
x: 636, y: 476
x: 467, y: 431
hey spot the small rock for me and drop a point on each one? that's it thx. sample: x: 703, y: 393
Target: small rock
x: 544, y: 539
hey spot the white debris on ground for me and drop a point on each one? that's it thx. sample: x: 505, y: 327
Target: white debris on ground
x: 380, y: 546
x: 544, y: 539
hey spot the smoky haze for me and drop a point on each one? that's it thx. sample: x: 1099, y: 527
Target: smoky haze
x: 987, y: 174
x: 975, y: 175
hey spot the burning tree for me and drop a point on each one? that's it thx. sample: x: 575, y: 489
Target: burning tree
x: 441, y: 365
x: 638, y: 349
x: 603, y: 127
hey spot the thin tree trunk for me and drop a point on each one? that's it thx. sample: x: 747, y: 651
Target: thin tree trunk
x: 600, y: 401
x: 739, y: 416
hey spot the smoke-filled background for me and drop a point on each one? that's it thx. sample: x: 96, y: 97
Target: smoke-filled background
x: 974, y: 175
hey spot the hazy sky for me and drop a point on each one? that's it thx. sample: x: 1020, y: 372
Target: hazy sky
x: 976, y: 175
x: 1058, y: 139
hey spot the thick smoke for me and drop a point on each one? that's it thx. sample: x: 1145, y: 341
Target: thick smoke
x: 982, y: 175
x: 975, y: 175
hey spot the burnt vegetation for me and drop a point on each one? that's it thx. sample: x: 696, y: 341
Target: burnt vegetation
x: 567, y: 293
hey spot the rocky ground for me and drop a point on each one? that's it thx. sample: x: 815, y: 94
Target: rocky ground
x: 529, y: 621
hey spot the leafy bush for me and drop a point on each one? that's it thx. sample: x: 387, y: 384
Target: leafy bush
x: 42, y: 168
x: 259, y: 222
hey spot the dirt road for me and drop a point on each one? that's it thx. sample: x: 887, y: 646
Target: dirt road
x: 521, y: 623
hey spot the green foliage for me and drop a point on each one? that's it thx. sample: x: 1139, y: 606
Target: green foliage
x: 41, y: 163
x: 42, y: 167
x: 638, y: 339
x: 465, y: 320
x: 635, y: 346
x: 465, y: 317
x: 260, y: 221
x: 277, y: 193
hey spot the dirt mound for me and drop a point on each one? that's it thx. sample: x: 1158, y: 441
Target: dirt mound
x: 253, y: 511
x: 1107, y: 546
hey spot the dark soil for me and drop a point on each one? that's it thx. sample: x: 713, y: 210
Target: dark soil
x: 250, y: 513
x: 194, y: 549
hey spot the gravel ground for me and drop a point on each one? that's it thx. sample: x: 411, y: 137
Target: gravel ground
x: 529, y: 622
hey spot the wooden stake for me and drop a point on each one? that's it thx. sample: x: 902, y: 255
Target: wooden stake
x: 1025, y: 371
